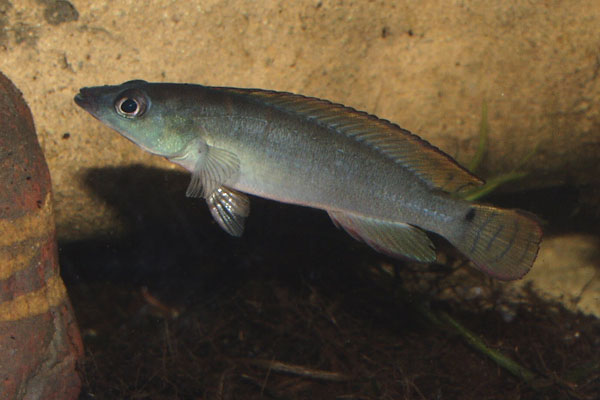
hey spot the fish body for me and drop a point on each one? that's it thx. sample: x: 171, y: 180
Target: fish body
x: 379, y: 182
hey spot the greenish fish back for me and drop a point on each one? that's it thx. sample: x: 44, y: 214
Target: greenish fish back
x: 436, y: 168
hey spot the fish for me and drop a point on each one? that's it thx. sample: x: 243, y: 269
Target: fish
x: 382, y: 184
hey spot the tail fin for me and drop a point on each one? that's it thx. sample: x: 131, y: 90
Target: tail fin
x: 502, y: 243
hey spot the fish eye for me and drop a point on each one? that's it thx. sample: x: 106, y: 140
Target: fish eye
x: 131, y: 104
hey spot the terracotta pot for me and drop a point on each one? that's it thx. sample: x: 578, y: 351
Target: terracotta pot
x: 40, y: 343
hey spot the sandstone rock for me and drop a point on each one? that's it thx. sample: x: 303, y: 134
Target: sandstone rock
x: 39, y: 340
x: 427, y: 66
x: 567, y: 271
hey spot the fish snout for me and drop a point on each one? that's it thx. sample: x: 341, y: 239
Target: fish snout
x: 86, y: 100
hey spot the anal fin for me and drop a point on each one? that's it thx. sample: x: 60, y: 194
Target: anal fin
x: 391, y: 238
x: 229, y: 208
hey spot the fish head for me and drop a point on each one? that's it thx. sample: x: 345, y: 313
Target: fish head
x: 142, y: 112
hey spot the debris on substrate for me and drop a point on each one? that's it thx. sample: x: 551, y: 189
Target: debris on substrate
x: 297, y: 310
x: 347, y: 338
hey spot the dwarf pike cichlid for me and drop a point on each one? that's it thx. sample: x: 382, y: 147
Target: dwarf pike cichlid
x: 379, y: 182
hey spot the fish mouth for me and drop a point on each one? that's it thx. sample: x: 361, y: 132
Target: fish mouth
x: 80, y: 100
x: 84, y: 99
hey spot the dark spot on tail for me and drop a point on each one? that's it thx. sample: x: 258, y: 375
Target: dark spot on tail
x: 470, y: 215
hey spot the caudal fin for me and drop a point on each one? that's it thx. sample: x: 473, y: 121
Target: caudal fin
x: 502, y: 243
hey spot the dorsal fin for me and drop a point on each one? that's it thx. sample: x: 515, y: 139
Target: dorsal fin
x: 410, y: 151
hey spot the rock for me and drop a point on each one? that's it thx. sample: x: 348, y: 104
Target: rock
x: 40, y: 343
x: 426, y: 66
x: 567, y: 271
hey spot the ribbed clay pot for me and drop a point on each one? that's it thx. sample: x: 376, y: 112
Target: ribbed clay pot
x: 40, y: 344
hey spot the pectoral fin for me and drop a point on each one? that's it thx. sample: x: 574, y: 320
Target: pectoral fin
x: 229, y: 208
x: 212, y: 169
x: 395, y: 239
